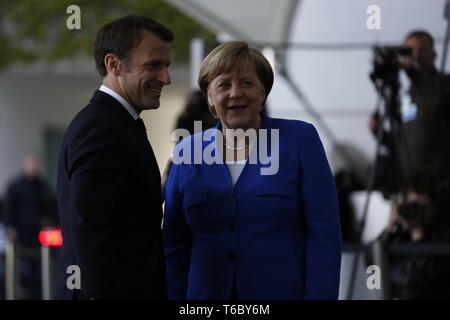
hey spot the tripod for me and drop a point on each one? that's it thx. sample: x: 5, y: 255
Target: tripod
x: 385, y: 78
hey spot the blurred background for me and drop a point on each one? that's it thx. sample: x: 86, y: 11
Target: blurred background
x: 322, y: 51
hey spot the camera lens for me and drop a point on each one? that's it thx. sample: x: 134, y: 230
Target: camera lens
x: 410, y: 210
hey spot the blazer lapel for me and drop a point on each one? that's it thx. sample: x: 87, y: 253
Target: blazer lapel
x: 249, y: 168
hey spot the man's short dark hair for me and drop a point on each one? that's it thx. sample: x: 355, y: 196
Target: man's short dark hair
x: 120, y: 36
x: 419, y: 34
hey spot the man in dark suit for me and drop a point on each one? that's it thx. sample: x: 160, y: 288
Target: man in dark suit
x: 109, y: 184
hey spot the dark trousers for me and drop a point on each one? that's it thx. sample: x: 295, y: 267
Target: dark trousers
x: 29, y: 273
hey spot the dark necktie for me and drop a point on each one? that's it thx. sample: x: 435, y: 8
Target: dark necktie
x: 143, y: 133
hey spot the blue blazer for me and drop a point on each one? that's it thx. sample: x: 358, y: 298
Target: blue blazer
x: 271, y: 236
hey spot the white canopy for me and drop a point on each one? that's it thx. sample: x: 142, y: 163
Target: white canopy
x: 325, y: 45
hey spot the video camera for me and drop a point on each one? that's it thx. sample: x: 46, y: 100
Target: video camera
x: 411, y: 210
x: 386, y: 63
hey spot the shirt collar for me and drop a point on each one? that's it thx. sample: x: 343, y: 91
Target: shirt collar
x: 122, y: 101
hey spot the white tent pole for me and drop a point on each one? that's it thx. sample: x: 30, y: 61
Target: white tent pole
x: 197, y: 53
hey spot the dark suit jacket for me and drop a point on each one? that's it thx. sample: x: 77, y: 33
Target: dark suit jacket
x: 27, y: 203
x: 110, y: 206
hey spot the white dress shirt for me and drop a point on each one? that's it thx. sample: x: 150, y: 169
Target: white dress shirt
x: 122, y: 101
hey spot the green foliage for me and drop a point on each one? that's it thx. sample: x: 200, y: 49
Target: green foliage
x: 36, y: 29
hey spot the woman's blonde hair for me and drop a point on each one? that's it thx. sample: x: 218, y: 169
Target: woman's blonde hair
x: 230, y: 56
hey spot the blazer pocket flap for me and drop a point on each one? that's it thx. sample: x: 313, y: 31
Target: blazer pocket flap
x: 276, y: 189
x: 192, y: 198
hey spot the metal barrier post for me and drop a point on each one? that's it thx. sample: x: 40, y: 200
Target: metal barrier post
x: 381, y: 259
x: 48, y: 237
x: 46, y: 273
x: 10, y: 275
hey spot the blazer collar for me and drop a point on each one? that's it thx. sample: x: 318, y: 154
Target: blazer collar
x: 103, y: 98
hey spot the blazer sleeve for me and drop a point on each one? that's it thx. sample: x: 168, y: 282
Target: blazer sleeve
x: 94, y: 161
x: 321, y: 210
x: 177, y: 238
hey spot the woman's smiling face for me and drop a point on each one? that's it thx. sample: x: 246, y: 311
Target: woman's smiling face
x: 237, y: 98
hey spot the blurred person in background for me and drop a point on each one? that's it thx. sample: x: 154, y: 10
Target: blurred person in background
x: 29, y: 205
x: 425, y: 118
x: 423, y: 155
x: 195, y: 109
x: 232, y: 231
x: 419, y: 217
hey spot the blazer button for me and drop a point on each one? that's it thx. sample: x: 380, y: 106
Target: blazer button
x: 233, y: 227
x: 230, y: 198
x: 232, y: 256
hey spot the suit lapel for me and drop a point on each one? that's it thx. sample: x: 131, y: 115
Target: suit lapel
x: 115, y: 106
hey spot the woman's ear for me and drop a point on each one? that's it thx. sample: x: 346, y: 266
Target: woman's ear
x: 210, y: 103
x: 211, y: 107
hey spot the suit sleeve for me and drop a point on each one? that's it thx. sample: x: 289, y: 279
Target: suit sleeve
x: 95, y: 163
x: 321, y: 209
x: 177, y: 239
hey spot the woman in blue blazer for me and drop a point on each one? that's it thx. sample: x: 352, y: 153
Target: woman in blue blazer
x: 251, y: 213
